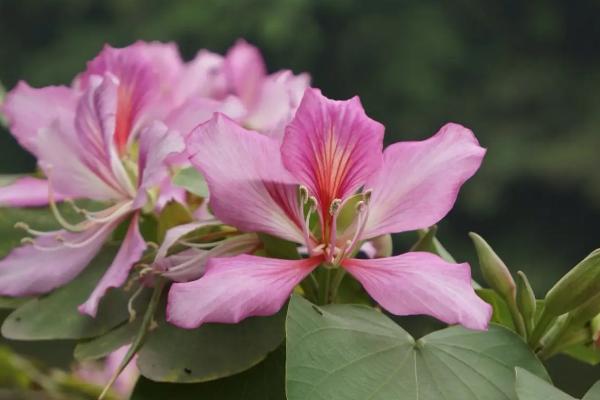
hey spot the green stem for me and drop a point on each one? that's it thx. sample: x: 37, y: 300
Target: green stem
x: 310, y: 286
x: 138, y: 341
x: 540, y: 329
x: 325, y: 288
x: 337, y: 281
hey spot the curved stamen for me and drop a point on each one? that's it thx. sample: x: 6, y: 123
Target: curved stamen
x: 33, y: 232
x: 362, y: 209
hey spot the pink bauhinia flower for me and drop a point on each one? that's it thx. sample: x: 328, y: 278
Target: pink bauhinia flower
x: 330, y: 159
x: 238, y: 86
x: 97, y: 140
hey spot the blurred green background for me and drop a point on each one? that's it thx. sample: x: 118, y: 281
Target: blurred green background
x: 524, y: 76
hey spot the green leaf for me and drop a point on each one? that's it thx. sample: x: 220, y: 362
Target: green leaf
x: 10, y: 303
x: 210, y: 352
x: 172, y: 214
x: 354, y: 353
x: 102, y: 346
x: 55, y: 316
x: 39, y: 218
x: 530, y: 387
x: 265, y: 381
x: 501, y: 315
x: 593, y: 393
x: 279, y: 248
x: 191, y: 180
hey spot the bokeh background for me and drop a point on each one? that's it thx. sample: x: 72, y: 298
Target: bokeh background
x: 524, y: 76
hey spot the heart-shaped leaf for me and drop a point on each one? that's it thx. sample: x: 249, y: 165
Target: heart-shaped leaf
x: 593, y: 393
x: 210, y: 352
x: 55, y: 316
x: 264, y: 381
x: 531, y: 387
x: 354, y: 353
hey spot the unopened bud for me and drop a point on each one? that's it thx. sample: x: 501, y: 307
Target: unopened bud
x: 493, y: 269
x: 596, y: 330
x: 585, y: 312
x: 379, y: 247
x: 575, y: 288
x: 525, y: 300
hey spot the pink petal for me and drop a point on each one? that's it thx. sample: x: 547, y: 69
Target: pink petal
x: 249, y: 186
x: 235, y: 288
x: 26, y: 192
x: 97, y: 126
x: 277, y: 103
x: 198, y: 110
x: 60, y: 155
x: 176, y: 233
x: 131, y: 251
x: 332, y: 146
x: 203, y: 77
x: 145, y: 73
x: 419, y: 181
x: 28, y: 109
x: 29, y: 270
x: 245, y: 70
x: 422, y: 283
x: 156, y: 144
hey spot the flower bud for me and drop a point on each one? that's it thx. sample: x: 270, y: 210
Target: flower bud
x: 525, y: 300
x: 381, y: 246
x: 493, y: 269
x: 596, y: 330
x: 586, y: 311
x: 575, y: 288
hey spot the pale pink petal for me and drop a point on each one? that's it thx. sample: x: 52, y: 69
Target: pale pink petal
x: 130, y: 252
x: 198, y: 110
x: 249, y: 186
x: 26, y: 191
x: 277, y: 103
x: 60, y: 155
x: 419, y: 181
x: 245, y: 70
x: 28, y: 109
x: 332, y: 146
x: 204, y: 77
x: 188, y: 266
x: 235, y: 288
x: 422, y: 283
x: 156, y: 144
x: 176, y: 233
x: 50, y: 263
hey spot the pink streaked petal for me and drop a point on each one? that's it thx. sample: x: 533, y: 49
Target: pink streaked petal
x: 26, y: 192
x: 146, y: 74
x: 277, y: 103
x: 332, y: 146
x: 236, y: 288
x: 422, y: 283
x: 249, y: 186
x: 156, y: 144
x: 245, y: 70
x: 60, y: 157
x: 28, y: 109
x: 29, y: 270
x: 419, y: 181
x: 130, y: 252
x: 96, y: 123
